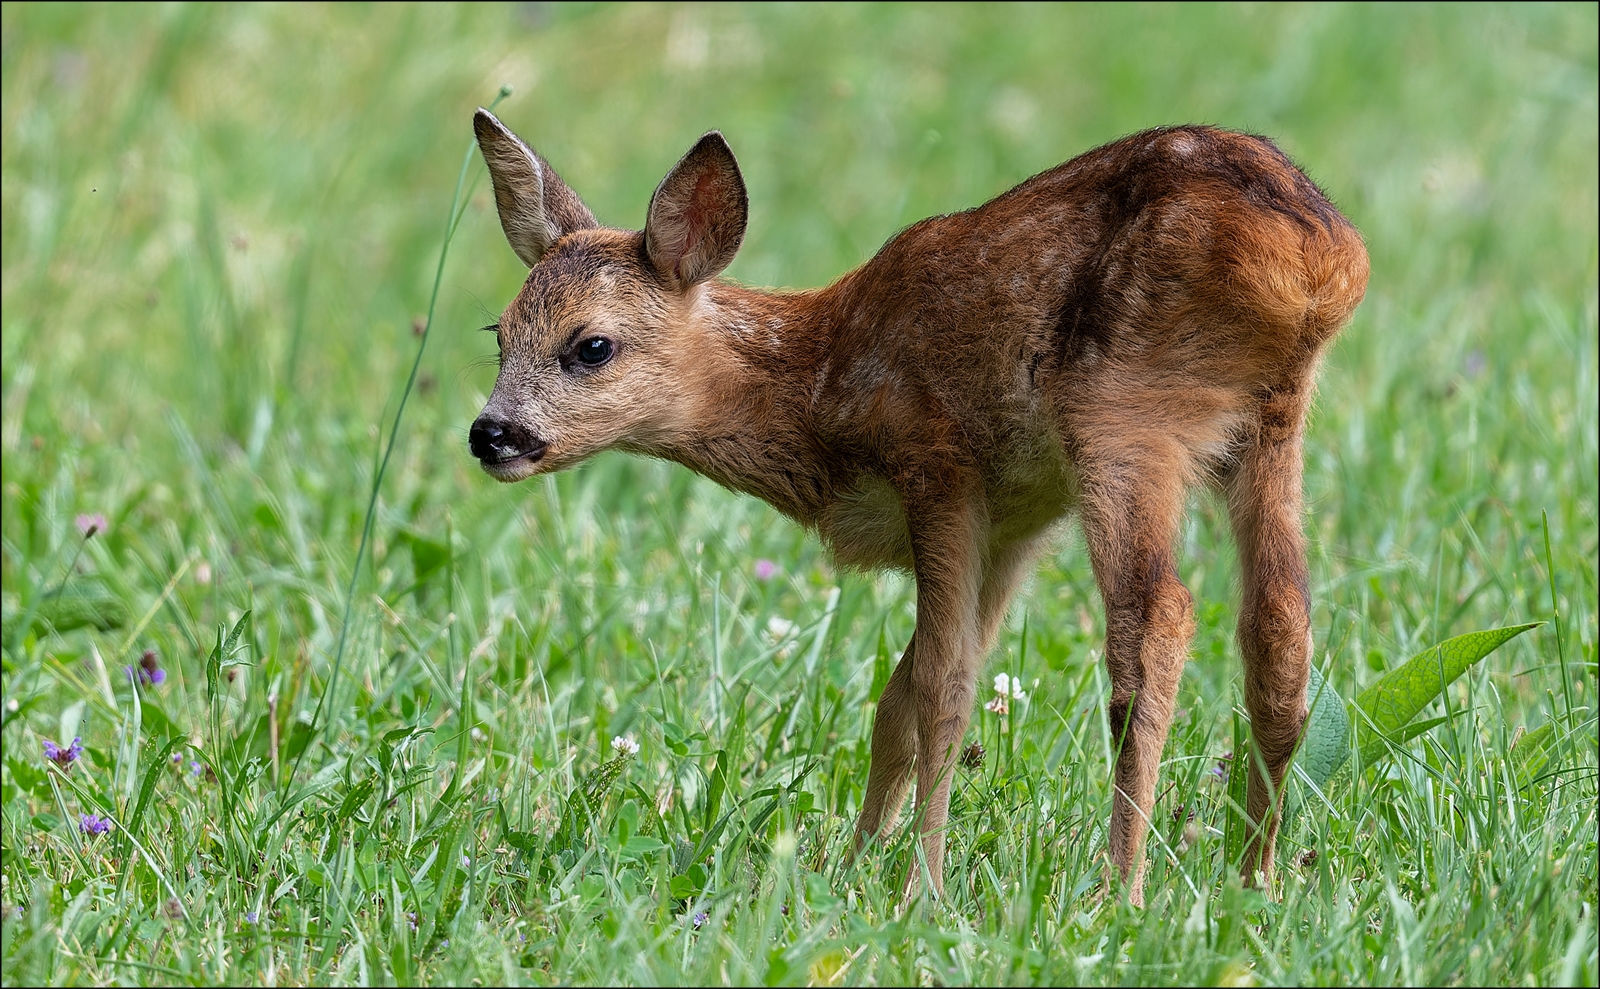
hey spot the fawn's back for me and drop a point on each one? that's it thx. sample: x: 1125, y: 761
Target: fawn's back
x: 1150, y: 292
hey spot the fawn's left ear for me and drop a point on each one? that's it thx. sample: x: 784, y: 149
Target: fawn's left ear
x: 536, y: 207
x: 698, y: 214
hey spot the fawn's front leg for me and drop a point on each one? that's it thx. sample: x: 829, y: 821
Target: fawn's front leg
x: 894, y: 728
x: 894, y: 750
x: 948, y: 563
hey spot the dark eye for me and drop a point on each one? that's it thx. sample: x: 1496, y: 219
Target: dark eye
x: 594, y: 351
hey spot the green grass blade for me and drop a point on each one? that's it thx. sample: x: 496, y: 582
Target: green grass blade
x: 152, y: 775
x: 1237, y: 829
x: 454, y: 218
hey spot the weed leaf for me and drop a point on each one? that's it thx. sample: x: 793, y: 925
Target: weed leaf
x: 86, y: 601
x: 1532, y: 753
x: 152, y: 775
x: 1397, y: 696
x: 1375, y: 748
x: 214, y: 666
x: 1326, y: 744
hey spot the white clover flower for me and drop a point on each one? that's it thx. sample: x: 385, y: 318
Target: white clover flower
x: 998, y: 704
x: 779, y: 629
x: 782, y: 633
x: 1009, y: 687
x: 625, y: 745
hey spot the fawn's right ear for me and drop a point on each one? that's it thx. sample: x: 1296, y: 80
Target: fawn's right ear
x: 536, y: 207
x: 698, y: 214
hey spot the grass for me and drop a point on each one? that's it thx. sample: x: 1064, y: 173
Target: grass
x: 220, y: 229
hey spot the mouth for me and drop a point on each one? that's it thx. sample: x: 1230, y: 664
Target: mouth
x: 514, y: 467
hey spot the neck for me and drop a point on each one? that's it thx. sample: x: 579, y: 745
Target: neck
x: 757, y: 367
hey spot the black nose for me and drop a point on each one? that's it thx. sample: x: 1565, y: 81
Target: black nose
x: 493, y: 441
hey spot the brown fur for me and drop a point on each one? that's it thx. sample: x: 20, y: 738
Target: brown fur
x: 1144, y: 318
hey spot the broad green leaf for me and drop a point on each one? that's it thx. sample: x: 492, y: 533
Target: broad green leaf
x: 1531, y: 754
x: 719, y: 784
x: 232, y: 645
x: 355, y: 797
x: 214, y: 665
x: 155, y: 719
x: 428, y: 556
x: 1396, y: 697
x: 27, y: 776
x: 1326, y: 743
x: 522, y: 841
x: 86, y: 600
x: 1375, y: 747
x: 223, y: 651
x: 642, y: 845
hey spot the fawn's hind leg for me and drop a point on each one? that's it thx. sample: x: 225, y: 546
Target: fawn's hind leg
x: 1264, y: 501
x: 1131, y: 504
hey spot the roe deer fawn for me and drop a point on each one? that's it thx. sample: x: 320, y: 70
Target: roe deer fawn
x: 1141, y: 319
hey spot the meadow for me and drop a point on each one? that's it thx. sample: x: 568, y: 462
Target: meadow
x: 352, y: 712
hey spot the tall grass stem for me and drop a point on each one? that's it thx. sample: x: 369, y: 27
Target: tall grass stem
x: 451, y: 222
x: 1555, y: 617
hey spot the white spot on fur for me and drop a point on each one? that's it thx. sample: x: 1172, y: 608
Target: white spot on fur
x: 866, y: 374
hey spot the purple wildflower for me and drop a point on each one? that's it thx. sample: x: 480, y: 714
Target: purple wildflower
x: 149, y: 671
x: 765, y: 569
x: 150, y: 668
x: 90, y: 524
x: 63, y: 757
x: 93, y: 824
x: 699, y: 919
x: 250, y: 917
x: 411, y: 919
x: 195, y: 767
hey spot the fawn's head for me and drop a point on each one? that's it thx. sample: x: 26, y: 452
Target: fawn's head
x: 601, y: 349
